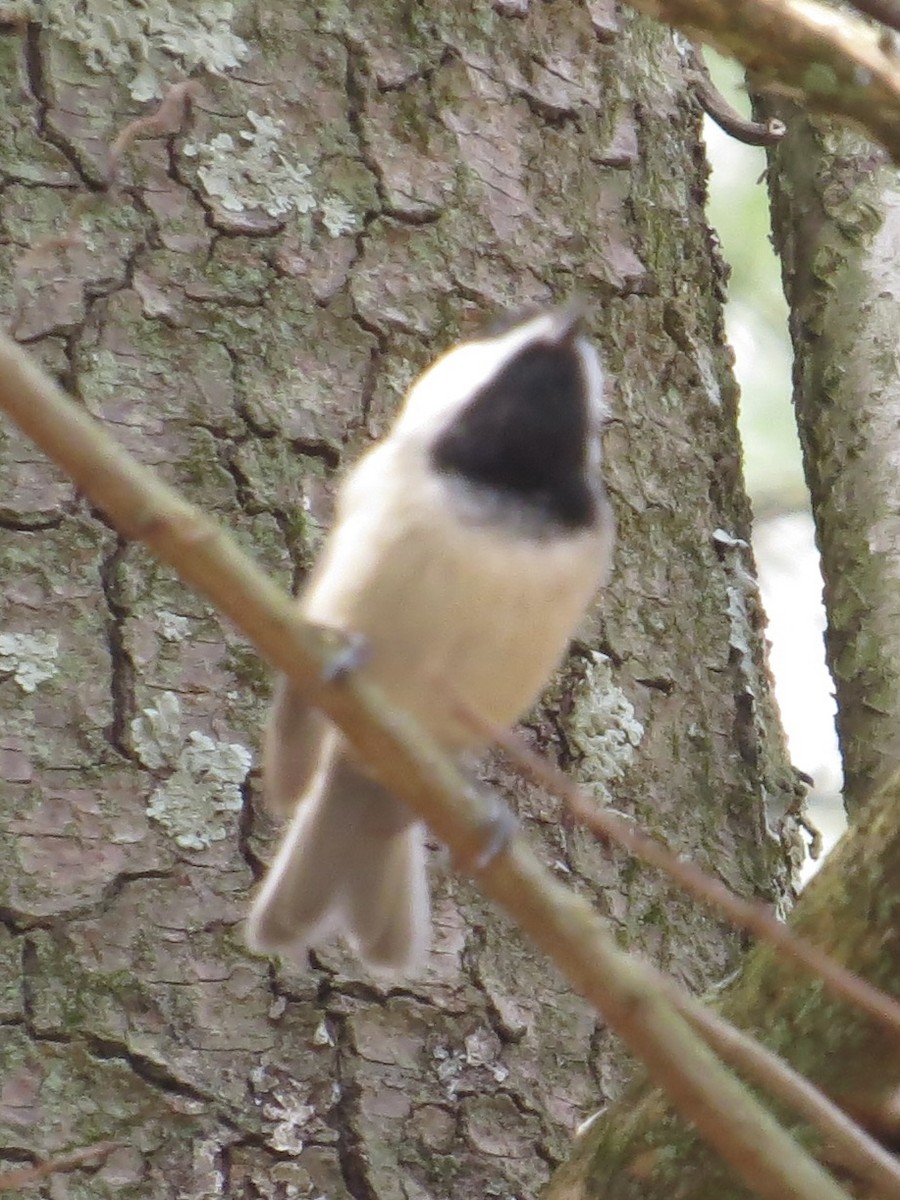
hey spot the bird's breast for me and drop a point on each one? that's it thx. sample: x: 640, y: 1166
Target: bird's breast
x: 453, y: 610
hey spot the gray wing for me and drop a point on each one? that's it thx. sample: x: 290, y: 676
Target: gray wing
x: 292, y: 747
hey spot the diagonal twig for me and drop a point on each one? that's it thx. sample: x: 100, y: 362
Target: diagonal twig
x: 725, y: 115
x: 756, y: 918
x: 858, y: 1149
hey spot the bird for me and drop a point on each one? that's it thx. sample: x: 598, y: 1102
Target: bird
x: 466, y: 546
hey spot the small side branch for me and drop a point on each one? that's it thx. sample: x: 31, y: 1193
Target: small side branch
x: 717, y: 108
x: 822, y: 56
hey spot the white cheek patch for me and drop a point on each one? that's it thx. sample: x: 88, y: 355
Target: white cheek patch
x: 443, y: 389
x: 593, y: 373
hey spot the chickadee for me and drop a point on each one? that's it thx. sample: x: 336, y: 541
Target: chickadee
x: 466, y: 546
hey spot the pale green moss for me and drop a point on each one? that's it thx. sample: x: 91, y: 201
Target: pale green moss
x: 286, y: 1107
x: 338, y: 217
x: 204, y: 776
x: 603, y: 727
x: 29, y: 657
x: 252, y: 171
x: 741, y: 587
x: 157, y: 732
x: 157, y: 41
x: 173, y: 626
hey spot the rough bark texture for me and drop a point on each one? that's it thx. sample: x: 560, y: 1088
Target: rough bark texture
x: 244, y: 312
x: 852, y: 910
x: 836, y: 217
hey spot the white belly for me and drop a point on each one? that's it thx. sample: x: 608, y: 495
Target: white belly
x: 450, y: 611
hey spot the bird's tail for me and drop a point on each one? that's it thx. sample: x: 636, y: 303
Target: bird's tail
x: 352, y: 861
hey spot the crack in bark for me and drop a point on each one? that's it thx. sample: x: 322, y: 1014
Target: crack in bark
x: 122, y: 670
x: 108, y: 1049
x: 29, y: 972
x: 356, y: 105
x: 344, y: 1119
x: 541, y: 1145
x: 35, y: 70
x: 658, y: 683
x: 420, y: 75
x: 235, y: 228
x: 19, y: 923
x: 29, y: 524
x: 120, y: 882
x: 149, y: 1070
x: 355, y: 92
x: 245, y: 831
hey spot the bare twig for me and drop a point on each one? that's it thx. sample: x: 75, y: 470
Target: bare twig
x: 860, y: 1151
x: 170, y: 116
x: 746, y: 914
x: 717, y: 108
x: 562, y: 923
x: 25, y: 1176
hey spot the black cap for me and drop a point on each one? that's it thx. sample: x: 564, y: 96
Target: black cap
x: 525, y: 434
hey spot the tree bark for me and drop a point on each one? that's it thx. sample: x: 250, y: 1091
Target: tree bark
x: 244, y: 310
x: 835, y: 206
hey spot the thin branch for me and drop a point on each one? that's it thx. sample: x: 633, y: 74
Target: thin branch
x: 171, y: 115
x: 825, y: 58
x: 746, y: 914
x: 563, y: 924
x: 717, y: 108
x: 860, y: 1151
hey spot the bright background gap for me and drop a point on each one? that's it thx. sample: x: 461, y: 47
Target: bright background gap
x: 783, y: 535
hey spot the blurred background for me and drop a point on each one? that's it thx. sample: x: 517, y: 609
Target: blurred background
x: 783, y: 535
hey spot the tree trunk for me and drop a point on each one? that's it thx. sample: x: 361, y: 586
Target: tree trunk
x: 244, y: 310
x: 835, y: 216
